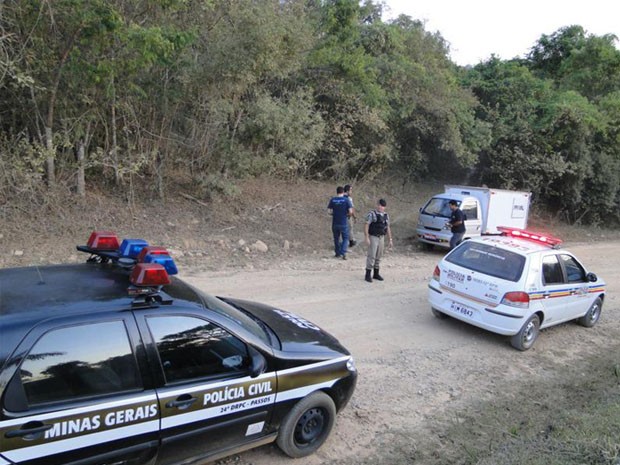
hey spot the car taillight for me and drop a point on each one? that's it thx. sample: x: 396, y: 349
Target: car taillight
x: 516, y: 299
x: 436, y: 273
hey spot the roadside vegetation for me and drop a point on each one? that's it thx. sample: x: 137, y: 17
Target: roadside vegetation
x: 199, y: 94
x: 571, y: 418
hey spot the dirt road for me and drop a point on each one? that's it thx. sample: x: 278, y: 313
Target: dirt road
x: 415, y: 371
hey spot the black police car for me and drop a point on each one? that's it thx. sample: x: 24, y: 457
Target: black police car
x: 114, y: 362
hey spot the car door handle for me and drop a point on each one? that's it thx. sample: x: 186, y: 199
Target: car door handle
x: 182, y: 402
x: 29, y: 429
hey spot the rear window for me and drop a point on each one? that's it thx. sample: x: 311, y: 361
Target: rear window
x: 489, y: 260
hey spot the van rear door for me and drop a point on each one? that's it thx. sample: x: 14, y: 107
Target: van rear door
x: 473, y: 222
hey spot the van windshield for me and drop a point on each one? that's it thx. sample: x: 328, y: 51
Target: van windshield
x: 489, y: 260
x: 438, y: 207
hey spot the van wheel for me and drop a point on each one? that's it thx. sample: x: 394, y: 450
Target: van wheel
x: 526, y: 337
x: 306, y: 427
x: 438, y: 314
x: 592, y: 315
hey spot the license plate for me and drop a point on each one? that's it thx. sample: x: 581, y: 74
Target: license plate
x: 462, y: 309
x: 430, y: 237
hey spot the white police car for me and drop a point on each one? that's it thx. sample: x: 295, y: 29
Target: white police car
x: 515, y: 284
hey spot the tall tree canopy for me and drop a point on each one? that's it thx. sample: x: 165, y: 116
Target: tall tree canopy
x: 204, y: 92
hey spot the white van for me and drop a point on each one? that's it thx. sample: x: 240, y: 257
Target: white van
x: 485, y: 209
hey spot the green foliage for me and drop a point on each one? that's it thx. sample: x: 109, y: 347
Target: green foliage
x: 551, y: 141
x: 286, y: 130
x: 21, y: 169
x: 320, y: 88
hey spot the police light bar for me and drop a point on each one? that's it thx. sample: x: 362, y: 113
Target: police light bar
x: 132, y: 247
x: 149, y: 275
x: 530, y: 235
x: 103, y: 240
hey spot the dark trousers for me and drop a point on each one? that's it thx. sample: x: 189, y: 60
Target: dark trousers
x: 340, y: 232
x: 456, y: 239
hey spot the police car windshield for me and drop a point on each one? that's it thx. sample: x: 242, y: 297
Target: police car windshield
x: 489, y: 260
x: 438, y: 207
x: 256, y: 327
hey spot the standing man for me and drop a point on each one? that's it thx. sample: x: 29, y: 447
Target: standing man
x: 351, y: 219
x: 456, y: 223
x: 340, y: 207
x: 376, y: 228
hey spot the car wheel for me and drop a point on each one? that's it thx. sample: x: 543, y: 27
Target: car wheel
x: 438, y: 314
x: 592, y: 315
x: 307, y: 425
x: 526, y: 337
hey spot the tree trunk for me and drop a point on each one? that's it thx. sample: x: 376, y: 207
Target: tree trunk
x: 50, y: 163
x: 81, y: 183
x: 117, y: 178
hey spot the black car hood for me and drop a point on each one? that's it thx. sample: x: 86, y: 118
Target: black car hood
x: 296, y: 334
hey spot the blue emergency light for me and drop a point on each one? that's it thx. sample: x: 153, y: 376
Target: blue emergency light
x: 164, y: 260
x: 131, y: 247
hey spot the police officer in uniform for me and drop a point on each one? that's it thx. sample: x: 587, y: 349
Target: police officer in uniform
x: 340, y: 207
x: 376, y: 228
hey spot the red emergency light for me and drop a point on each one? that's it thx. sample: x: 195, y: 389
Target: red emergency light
x: 151, y: 250
x: 103, y: 240
x: 149, y: 275
x: 530, y: 235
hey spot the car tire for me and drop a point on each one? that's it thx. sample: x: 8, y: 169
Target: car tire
x: 527, y: 335
x: 592, y: 315
x: 306, y: 427
x: 438, y: 314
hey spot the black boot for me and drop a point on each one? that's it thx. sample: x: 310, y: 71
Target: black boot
x: 376, y: 275
x: 368, y: 278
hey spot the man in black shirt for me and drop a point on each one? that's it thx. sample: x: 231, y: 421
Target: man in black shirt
x: 456, y: 223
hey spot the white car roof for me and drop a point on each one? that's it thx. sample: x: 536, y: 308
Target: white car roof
x: 513, y: 244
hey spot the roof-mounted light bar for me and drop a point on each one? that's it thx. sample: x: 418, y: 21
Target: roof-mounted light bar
x: 104, y: 247
x: 530, y: 235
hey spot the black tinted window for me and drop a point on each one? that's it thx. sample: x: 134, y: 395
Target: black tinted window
x: 194, y: 348
x: 489, y: 260
x: 552, y: 271
x: 79, y: 361
x: 574, y: 271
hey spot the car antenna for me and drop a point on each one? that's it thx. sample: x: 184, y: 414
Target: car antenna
x: 41, y: 281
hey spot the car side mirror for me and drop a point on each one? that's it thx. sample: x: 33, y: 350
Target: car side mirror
x: 591, y: 277
x: 258, y: 363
